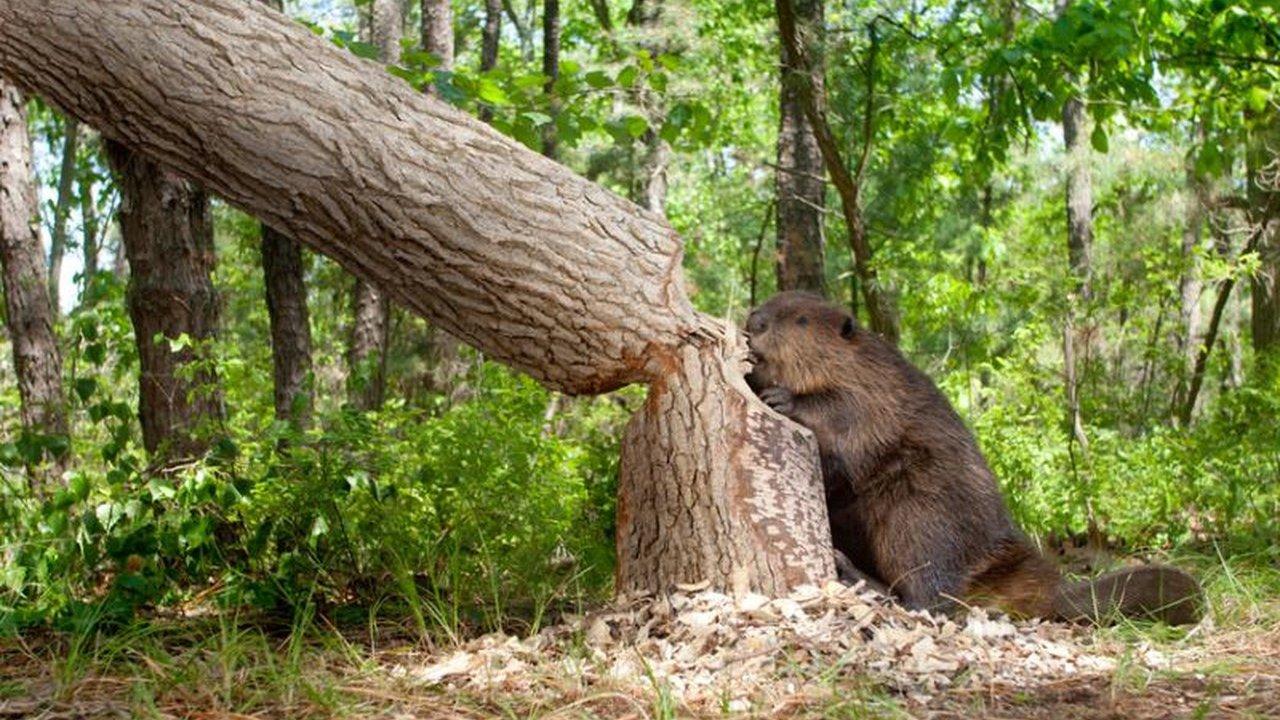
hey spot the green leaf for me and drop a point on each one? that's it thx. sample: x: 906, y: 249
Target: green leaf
x: 85, y: 387
x: 627, y: 78
x: 635, y: 125
x: 1257, y: 99
x: 1099, y: 138
x: 488, y: 91
x: 598, y: 79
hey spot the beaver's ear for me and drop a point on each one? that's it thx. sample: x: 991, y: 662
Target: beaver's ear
x: 847, y: 329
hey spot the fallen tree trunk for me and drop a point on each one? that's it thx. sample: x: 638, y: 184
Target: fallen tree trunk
x: 536, y: 266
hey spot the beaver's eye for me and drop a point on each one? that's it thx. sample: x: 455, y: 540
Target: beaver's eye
x: 802, y: 320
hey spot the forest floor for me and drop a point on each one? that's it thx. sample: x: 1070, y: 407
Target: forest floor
x: 823, y: 652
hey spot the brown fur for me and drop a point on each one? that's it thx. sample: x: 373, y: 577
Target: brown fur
x: 910, y: 497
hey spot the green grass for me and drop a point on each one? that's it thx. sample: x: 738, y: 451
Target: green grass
x: 234, y: 664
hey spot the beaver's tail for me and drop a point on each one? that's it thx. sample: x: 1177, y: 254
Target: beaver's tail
x: 1150, y: 592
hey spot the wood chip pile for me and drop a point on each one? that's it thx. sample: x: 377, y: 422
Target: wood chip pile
x: 709, y: 649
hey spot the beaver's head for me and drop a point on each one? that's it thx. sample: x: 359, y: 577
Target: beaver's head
x: 791, y: 336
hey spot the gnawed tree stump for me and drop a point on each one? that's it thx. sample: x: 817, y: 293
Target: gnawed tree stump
x: 716, y: 485
x: 509, y: 251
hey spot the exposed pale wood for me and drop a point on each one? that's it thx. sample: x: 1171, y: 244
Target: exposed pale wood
x: 755, y: 515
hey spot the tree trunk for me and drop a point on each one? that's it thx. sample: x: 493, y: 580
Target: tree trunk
x: 28, y: 310
x: 740, y: 518
x: 1079, y: 198
x: 799, y: 52
x: 283, y: 274
x: 551, y: 71
x: 437, y: 30
x: 491, y: 36
x: 1263, y: 161
x: 62, y: 211
x: 537, y: 267
x: 650, y: 189
x: 1190, y: 284
x: 1079, y: 205
x: 91, y: 226
x: 168, y: 237
x: 800, y: 179
x: 371, y: 309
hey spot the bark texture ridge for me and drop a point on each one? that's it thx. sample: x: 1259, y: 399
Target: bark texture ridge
x: 513, y: 253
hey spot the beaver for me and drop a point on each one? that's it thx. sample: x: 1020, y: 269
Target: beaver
x: 911, y: 500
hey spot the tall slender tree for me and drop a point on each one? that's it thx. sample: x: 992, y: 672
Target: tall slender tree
x: 551, y: 73
x: 1079, y: 211
x: 371, y: 313
x: 283, y: 273
x: 28, y: 310
x: 90, y: 224
x: 646, y: 18
x: 803, y: 53
x: 800, y: 179
x: 1263, y: 165
x: 62, y: 209
x: 491, y: 36
x: 437, y: 30
x: 167, y: 231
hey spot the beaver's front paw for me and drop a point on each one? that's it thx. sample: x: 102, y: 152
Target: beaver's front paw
x: 782, y: 400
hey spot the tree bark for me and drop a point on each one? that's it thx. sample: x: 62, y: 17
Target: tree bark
x: 800, y: 53
x: 650, y: 189
x: 1079, y: 198
x: 1079, y: 206
x: 537, y: 267
x: 168, y: 238
x: 62, y: 211
x: 490, y: 39
x: 91, y: 225
x: 800, y: 179
x: 551, y: 71
x: 371, y: 308
x: 1190, y: 284
x: 1263, y: 164
x: 28, y: 310
x: 283, y: 273
x: 437, y: 30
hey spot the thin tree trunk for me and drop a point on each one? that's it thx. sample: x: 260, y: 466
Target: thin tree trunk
x: 800, y: 53
x: 371, y: 309
x: 537, y: 267
x: 1263, y: 164
x: 28, y: 310
x: 62, y: 211
x: 283, y: 273
x: 168, y: 237
x: 491, y: 37
x: 91, y: 226
x: 1190, y: 284
x: 551, y: 71
x: 1201, y: 362
x: 437, y: 31
x: 800, y: 180
x: 1079, y: 207
x: 650, y: 189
